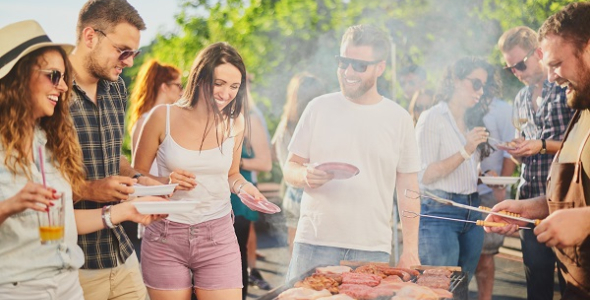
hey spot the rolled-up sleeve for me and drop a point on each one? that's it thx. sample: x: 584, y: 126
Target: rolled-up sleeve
x: 428, y: 139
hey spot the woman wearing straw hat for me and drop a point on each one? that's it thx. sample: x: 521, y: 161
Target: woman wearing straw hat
x: 35, y: 75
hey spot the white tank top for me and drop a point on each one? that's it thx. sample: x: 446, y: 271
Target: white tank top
x: 210, y: 167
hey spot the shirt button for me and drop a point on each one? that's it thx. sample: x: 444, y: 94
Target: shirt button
x: 534, y: 177
x: 534, y: 160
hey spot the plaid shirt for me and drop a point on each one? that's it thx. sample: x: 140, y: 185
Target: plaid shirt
x: 551, y: 119
x: 101, y: 128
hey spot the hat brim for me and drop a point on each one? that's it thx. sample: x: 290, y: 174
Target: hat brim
x: 7, y: 67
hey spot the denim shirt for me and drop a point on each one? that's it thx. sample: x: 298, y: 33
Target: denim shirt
x: 22, y: 257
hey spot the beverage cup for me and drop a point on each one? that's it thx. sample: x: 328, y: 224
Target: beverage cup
x: 51, y: 223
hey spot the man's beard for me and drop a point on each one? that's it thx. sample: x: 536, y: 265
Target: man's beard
x: 579, y: 98
x: 352, y: 93
x: 97, y: 70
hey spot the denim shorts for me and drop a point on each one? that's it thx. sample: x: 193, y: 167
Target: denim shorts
x: 173, y: 252
x: 306, y: 257
x: 450, y: 243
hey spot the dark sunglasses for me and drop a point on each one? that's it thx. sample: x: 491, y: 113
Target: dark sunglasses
x: 359, y: 66
x: 521, y: 65
x: 53, y: 75
x: 123, y: 54
x: 476, y: 83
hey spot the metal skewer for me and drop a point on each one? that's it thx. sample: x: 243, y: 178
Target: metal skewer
x: 411, y: 214
x: 413, y: 194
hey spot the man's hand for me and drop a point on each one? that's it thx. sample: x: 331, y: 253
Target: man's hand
x: 146, y: 180
x: 525, y: 147
x: 408, y: 259
x: 564, y: 228
x: 315, y: 178
x: 110, y: 189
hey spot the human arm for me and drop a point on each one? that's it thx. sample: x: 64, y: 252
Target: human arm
x: 90, y: 220
x: 135, y: 134
x: 535, y: 208
x: 33, y: 195
x: 441, y: 168
x: 410, y: 226
x: 151, y: 136
x: 237, y: 182
x: 258, y: 138
x: 531, y: 147
x: 557, y: 230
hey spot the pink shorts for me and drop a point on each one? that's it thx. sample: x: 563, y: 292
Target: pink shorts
x: 171, y: 251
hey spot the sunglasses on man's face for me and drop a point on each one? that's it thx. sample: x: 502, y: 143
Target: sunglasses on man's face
x: 521, y: 65
x: 358, y: 65
x: 123, y: 54
x: 54, y: 76
x: 476, y: 83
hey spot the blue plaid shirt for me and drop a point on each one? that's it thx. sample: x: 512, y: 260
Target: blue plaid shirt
x: 551, y: 119
x: 101, y: 128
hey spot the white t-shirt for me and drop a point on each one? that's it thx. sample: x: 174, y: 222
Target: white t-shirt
x: 378, y: 139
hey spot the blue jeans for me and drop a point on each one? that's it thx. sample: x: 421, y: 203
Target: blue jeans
x: 306, y: 257
x: 450, y: 243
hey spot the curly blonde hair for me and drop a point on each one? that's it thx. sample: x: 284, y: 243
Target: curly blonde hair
x: 17, y: 123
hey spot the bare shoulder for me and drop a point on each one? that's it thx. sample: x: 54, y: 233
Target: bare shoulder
x: 157, y: 115
x: 239, y: 124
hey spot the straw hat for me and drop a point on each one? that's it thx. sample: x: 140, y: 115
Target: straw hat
x: 21, y: 38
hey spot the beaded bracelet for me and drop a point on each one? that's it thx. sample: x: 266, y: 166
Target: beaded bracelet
x: 233, y: 184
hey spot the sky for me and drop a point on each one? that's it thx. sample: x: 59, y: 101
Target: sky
x: 58, y: 17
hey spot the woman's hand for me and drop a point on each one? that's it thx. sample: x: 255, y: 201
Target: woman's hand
x: 250, y: 189
x: 33, y: 195
x: 475, y: 137
x: 185, y: 179
x: 126, y: 211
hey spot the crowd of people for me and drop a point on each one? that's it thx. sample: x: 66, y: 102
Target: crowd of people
x: 63, y: 120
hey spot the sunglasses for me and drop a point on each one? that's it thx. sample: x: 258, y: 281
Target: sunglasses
x: 476, y: 83
x: 54, y: 76
x: 359, y: 66
x: 521, y: 65
x: 123, y: 54
x: 179, y: 85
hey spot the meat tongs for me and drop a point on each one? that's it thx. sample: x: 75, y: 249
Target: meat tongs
x: 486, y: 210
x: 411, y: 214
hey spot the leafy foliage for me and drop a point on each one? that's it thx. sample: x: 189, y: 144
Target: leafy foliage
x: 278, y: 38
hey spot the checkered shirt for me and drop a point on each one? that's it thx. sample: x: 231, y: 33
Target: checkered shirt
x: 101, y: 128
x: 551, y: 119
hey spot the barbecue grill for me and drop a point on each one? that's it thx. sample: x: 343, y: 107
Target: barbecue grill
x: 459, y: 286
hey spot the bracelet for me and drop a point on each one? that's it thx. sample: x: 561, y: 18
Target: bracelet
x: 233, y: 184
x: 242, y: 185
x: 464, y: 153
x: 106, y: 217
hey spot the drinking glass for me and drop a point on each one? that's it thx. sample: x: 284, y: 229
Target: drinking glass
x: 523, y: 120
x: 51, y: 223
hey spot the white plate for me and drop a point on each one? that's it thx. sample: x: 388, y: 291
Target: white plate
x: 164, y: 207
x: 153, y: 190
x: 499, y: 180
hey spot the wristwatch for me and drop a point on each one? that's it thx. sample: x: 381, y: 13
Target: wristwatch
x: 544, y: 147
x: 137, y: 175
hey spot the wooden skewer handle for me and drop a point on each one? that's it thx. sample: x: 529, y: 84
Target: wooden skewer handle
x: 489, y: 224
x: 537, y: 221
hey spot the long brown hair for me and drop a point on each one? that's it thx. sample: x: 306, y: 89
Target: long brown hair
x: 201, y: 78
x: 17, y: 122
x: 145, y: 89
x: 302, y: 88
